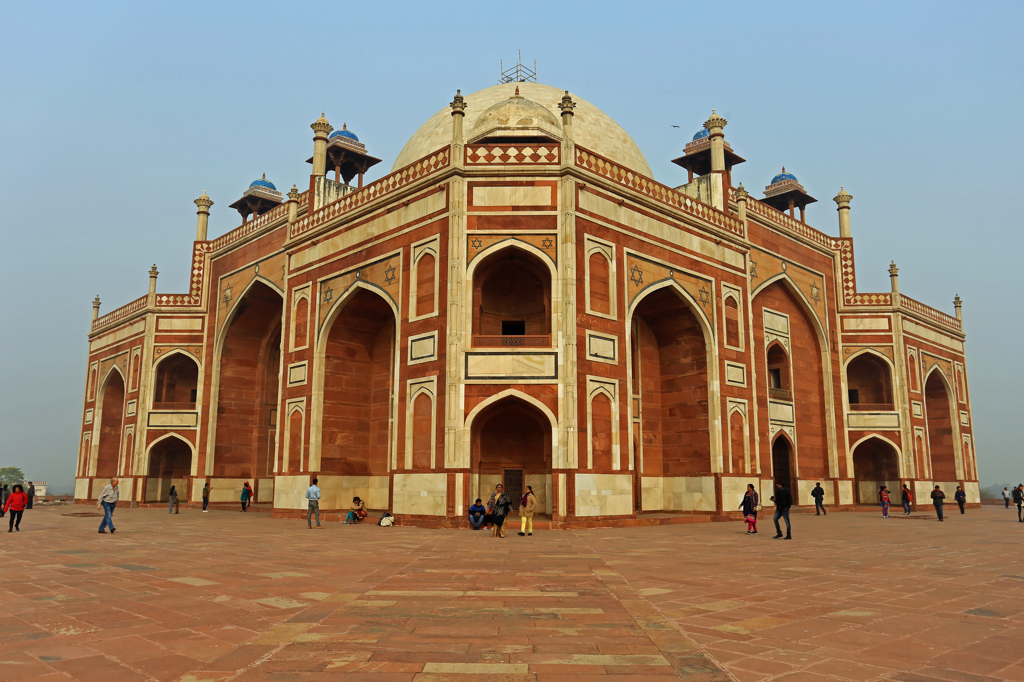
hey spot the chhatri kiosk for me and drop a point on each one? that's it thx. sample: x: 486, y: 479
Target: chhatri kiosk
x: 519, y: 301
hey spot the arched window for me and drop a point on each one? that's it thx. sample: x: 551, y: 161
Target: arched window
x: 961, y: 393
x: 176, y: 386
x: 732, y: 322
x: 869, y: 382
x: 737, y: 443
x: 300, y: 323
x: 133, y: 383
x: 512, y: 301
x: 422, y: 431
x: 293, y: 453
x: 778, y: 373
x: 912, y: 370
x: 601, y: 431
x: 600, y: 287
x: 425, y: 286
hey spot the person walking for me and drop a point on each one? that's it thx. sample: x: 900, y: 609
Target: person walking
x: 313, y: 505
x: 16, y: 503
x: 1006, y: 497
x: 819, y: 497
x: 961, y: 497
x: 206, y: 496
x: 246, y: 495
x: 937, y: 500
x: 526, y: 508
x: 172, y: 499
x: 905, y: 499
x: 31, y: 492
x: 783, y: 500
x: 1018, y: 499
x: 500, y: 506
x: 749, y: 505
x: 107, y: 501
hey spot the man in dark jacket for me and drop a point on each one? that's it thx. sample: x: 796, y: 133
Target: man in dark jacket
x: 31, y: 492
x: 938, y: 498
x: 819, y: 500
x: 1018, y: 499
x: 783, y: 500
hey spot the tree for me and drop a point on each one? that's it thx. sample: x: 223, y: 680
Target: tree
x: 11, y: 475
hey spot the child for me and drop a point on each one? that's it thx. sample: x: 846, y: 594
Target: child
x: 477, y: 514
x: 885, y: 502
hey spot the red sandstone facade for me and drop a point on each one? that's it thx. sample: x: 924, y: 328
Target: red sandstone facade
x: 518, y: 307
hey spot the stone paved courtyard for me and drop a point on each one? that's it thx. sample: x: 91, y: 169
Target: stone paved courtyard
x: 232, y: 596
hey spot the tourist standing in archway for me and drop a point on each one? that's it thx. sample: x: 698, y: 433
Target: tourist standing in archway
x: 526, y: 509
x: 500, y: 506
x: 16, y: 504
x: 749, y: 506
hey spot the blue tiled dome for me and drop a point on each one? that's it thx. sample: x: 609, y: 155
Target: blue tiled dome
x: 263, y: 183
x: 783, y: 176
x: 701, y: 134
x: 344, y: 132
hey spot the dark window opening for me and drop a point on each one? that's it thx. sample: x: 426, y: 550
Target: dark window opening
x: 854, y: 395
x: 513, y: 327
x: 775, y: 378
x: 192, y: 395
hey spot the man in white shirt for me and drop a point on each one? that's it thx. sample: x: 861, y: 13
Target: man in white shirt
x: 313, y: 498
x: 107, y: 501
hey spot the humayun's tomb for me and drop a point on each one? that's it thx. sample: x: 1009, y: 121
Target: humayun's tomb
x: 519, y: 301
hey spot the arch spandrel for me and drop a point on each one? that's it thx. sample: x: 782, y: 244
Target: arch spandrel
x: 233, y: 287
x: 544, y: 246
x: 645, y: 276
x: 382, y: 276
x: 230, y: 298
x: 766, y: 268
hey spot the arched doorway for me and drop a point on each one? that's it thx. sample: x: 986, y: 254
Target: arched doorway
x: 511, y: 445
x: 875, y: 463
x: 940, y: 428
x: 111, y: 425
x: 512, y: 301
x: 357, y: 423
x: 783, y: 468
x: 669, y: 357
x: 170, y: 463
x: 250, y: 367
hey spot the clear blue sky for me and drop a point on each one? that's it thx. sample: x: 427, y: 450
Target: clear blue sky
x: 116, y: 116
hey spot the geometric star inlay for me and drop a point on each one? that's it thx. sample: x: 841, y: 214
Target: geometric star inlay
x: 389, y: 274
x: 636, y: 275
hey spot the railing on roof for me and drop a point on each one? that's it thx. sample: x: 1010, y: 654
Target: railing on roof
x: 931, y: 313
x: 248, y: 228
x: 784, y: 221
x: 657, y: 191
x: 513, y: 154
x: 119, y: 313
x: 429, y: 164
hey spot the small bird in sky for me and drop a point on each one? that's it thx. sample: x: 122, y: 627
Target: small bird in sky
x: 675, y: 126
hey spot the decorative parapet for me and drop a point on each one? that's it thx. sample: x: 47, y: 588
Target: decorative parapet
x: 780, y: 219
x: 417, y: 170
x: 119, y: 314
x: 245, y: 229
x: 657, y: 191
x: 512, y: 154
x: 930, y: 313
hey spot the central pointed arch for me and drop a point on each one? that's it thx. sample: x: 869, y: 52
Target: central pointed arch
x: 941, y: 420
x: 109, y: 423
x: 664, y: 362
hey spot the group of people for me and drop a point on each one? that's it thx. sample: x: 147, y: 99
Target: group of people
x: 783, y: 499
x: 355, y: 514
x: 1017, y: 497
x: 492, y: 516
x: 15, y: 501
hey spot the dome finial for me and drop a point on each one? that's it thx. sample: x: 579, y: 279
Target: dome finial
x: 344, y: 126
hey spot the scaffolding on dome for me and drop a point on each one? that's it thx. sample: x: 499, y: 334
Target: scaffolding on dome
x: 518, y: 73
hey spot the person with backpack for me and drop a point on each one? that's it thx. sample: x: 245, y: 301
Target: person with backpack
x: 886, y: 501
x: 937, y: 500
x: 906, y: 498
x: 246, y: 495
x: 783, y: 500
x: 819, y: 500
x: 961, y: 497
x: 1018, y: 499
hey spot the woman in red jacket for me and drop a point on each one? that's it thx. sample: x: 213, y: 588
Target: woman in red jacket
x: 16, y: 505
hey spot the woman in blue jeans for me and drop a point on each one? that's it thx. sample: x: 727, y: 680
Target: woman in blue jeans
x: 172, y: 498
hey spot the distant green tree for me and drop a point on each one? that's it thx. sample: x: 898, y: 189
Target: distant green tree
x: 11, y: 475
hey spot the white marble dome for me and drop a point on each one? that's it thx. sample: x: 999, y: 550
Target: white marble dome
x: 592, y: 128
